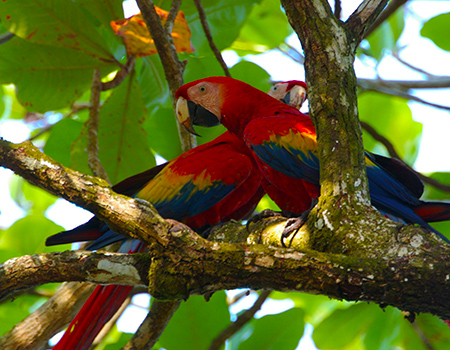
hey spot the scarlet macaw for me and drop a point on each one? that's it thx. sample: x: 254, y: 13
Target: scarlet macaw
x: 211, y: 183
x: 283, y: 141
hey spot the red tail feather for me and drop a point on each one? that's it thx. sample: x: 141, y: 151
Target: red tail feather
x: 433, y: 211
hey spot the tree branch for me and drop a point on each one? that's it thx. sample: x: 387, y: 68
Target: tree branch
x: 430, y: 83
x: 173, y: 68
x: 103, y: 268
x: 174, y: 8
x: 154, y: 324
x: 385, y: 14
x: 363, y: 18
x: 244, y: 318
x: 35, y: 330
x: 94, y: 111
x: 209, y: 37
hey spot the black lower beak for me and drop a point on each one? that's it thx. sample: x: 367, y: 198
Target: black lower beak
x: 201, y: 116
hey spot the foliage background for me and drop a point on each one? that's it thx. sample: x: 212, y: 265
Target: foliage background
x: 50, y: 62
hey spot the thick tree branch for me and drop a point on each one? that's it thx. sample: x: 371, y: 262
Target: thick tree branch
x: 103, y: 268
x: 402, y: 267
x: 35, y: 330
x: 154, y: 324
x: 173, y: 68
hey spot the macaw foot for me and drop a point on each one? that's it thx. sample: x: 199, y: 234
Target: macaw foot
x: 268, y: 213
x: 294, y: 224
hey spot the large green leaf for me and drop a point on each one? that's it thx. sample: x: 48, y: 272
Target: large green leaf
x: 385, y: 37
x: 434, y: 193
x: 252, y: 74
x: 54, y: 22
x: 265, y: 28
x: 280, y: 331
x: 104, y: 11
x: 342, y: 326
x: 425, y: 328
x: 62, y: 136
x: 14, y: 312
x: 123, y: 146
x: 196, y: 323
x: 47, y: 77
x: 392, y: 118
x: 438, y: 30
x: 225, y: 19
x: 27, y: 236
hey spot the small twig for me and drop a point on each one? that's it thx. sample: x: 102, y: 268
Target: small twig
x: 174, y: 8
x: 240, y: 322
x: 396, y: 92
x: 393, y: 153
x: 380, y: 138
x: 440, y: 82
x: 409, y: 65
x: 205, y: 25
x: 120, y: 76
x: 110, y: 324
x: 337, y: 8
x: 5, y: 37
x: 94, y: 110
x: 75, y: 108
x: 154, y: 324
x: 423, y: 337
x: 238, y: 297
x: 300, y: 60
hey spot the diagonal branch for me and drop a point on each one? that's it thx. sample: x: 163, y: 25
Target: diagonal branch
x: 209, y: 37
x: 244, y: 318
x: 173, y: 68
x: 154, y: 324
x: 385, y: 14
x: 363, y: 17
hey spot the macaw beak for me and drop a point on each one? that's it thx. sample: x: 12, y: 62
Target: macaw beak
x: 295, y: 97
x: 189, y: 113
x: 183, y: 115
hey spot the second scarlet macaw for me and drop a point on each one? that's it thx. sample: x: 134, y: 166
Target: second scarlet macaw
x: 209, y: 184
x: 283, y: 140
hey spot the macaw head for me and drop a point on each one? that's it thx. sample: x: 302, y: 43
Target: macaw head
x: 292, y: 92
x: 221, y: 100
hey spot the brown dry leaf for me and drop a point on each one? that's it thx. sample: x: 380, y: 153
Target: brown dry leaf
x: 137, y: 38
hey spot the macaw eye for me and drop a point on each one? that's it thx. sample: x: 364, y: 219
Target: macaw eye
x: 202, y: 89
x: 275, y: 87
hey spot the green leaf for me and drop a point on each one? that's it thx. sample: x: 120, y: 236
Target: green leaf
x: 123, y: 146
x: 252, y: 74
x: 41, y: 199
x: 104, y: 11
x: 432, y: 328
x: 163, y: 133
x: 280, y: 331
x: 385, y: 37
x: 342, y: 326
x: 196, y: 323
x: 438, y: 30
x: 434, y: 193
x: 155, y: 89
x: 60, y: 75
x: 225, y: 19
x: 384, y: 329
x: 27, y: 236
x: 391, y: 118
x: 58, y: 23
x: 15, y: 311
x: 62, y: 136
x: 265, y: 28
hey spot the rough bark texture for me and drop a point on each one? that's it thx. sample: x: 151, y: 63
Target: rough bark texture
x: 330, y: 46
